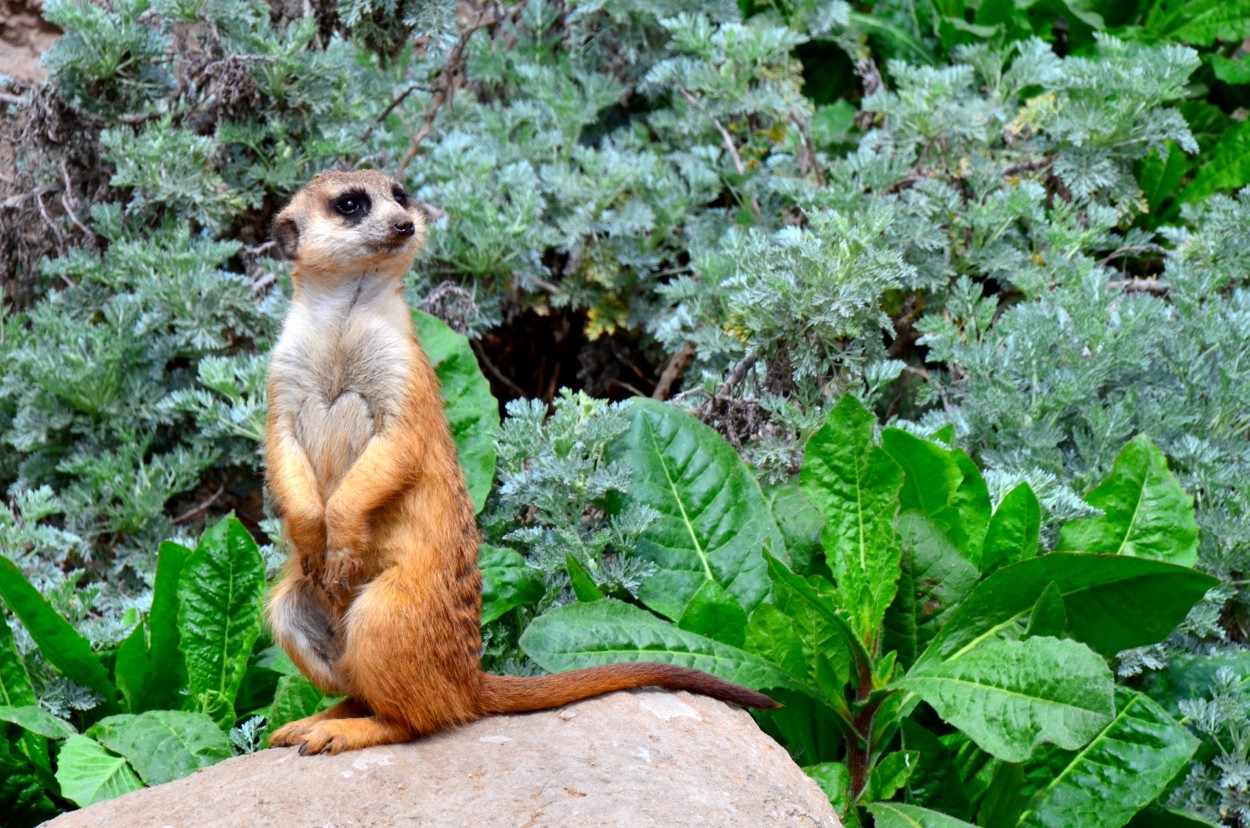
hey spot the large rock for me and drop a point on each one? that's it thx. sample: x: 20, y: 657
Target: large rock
x: 638, y: 759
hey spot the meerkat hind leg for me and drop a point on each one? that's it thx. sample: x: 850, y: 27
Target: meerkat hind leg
x: 338, y: 735
x: 293, y: 733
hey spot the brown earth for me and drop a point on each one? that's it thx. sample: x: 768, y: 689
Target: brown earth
x: 24, y: 36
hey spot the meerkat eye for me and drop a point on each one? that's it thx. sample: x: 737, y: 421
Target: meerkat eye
x: 348, y: 205
x: 401, y: 198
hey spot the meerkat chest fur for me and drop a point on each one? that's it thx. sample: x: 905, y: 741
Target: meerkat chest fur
x: 339, y: 370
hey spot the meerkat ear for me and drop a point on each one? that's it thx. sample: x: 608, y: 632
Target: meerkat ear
x: 286, y: 236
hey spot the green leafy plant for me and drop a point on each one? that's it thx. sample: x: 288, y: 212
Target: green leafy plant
x: 170, y: 689
x: 942, y: 634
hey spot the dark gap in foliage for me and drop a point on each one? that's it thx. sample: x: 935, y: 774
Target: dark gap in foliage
x: 533, y: 355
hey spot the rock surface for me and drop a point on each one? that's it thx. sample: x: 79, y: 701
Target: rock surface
x: 638, y: 759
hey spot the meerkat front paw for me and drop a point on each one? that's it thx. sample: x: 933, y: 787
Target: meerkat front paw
x: 339, y: 568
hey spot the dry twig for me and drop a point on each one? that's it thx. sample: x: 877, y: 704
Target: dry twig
x: 451, y: 76
x: 809, y: 161
x: 202, y: 507
x: 674, y: 371
x: 1132, y: 248
x: 1151, y: 286
x: 729, y: 145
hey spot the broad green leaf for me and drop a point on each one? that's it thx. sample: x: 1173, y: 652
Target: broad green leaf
x: 471, y: 409
x: 58, y: 642
x: 1049, y: 615
x: 1161, y: 175
x: 219, y: 595
x: 799, y: 523
x: 1080, y: 10
x: 930, y: 476
x: 898, y: 628
x: 584, y: 586
x: 875, y: 24
x: 15, y: 687
x: 855, y: 485
x: 935, y: 579
x: 611, y: 632
x: 88, y: 773
x: 217, y: 706
x: 832, y: 122
x: 164, y: 745
x: 34, y: 718
x: 827, y: 639
x: 944, y: 486
x: 835, y: 782
x: 1013, y: 531
x: 130, y: 667
x: 975, y: 767
x: 166, y: 675
x: 1003, y: 801
x: 1200, y: 22
x: 295, y: 698
x: 955, y: 30
x: 805, y: 725
x: 773, y: 635
x: 1134, y: 757
x: 1011, y: 696
x: 996, y: 13
x: 898, y: 815
x: 1228, y: 167
x: 507, y: 582
x: 1146, y: 512
x: 23, y: 798
x: 259, y: 685
x: 276, y: 659
x: 972, y: 504
x: 1112, y: 602
x: 16, y: 690
x: 934, y: 782
x: 890, y: 774
x: 1230, y: 71
x: 713, y: 519
x: 714, y: 613
x: 888, y: 716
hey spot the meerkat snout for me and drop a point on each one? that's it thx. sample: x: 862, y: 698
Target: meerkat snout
x: 350, y: 222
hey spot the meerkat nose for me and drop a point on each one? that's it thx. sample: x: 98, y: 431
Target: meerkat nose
x: 404, y: 228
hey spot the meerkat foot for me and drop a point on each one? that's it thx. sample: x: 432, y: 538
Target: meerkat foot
x: 293, y: 733
x: 338, y: 735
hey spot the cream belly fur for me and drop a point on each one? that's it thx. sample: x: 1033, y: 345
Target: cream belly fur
x: 350, y: 331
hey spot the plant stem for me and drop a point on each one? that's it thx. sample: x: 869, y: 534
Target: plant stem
x: 859, y: 748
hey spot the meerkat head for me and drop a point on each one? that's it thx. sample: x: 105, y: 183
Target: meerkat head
x: 348, y: 223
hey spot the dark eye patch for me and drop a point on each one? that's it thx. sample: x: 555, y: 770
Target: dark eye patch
x: 352, y: 205
x: 401, y: 198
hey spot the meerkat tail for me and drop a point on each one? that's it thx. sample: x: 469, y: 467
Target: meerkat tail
x: 513, y: 694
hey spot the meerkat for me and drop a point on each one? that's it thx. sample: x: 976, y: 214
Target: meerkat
x: 380, y: 599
